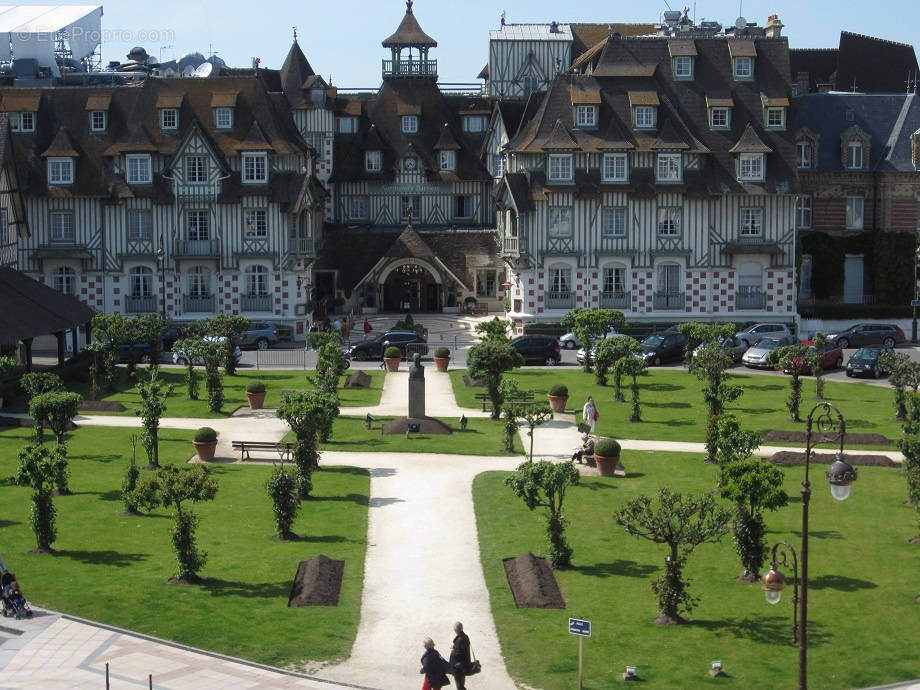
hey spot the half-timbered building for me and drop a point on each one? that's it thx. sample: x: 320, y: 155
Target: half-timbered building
x: 13, y: 225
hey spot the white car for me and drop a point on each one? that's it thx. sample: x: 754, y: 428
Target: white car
x: 762, y: 330
x: 181, y: 357
x: 757, y: 357
x: 570, y: 342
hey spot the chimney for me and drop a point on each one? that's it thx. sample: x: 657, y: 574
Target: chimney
x: 774, y: 27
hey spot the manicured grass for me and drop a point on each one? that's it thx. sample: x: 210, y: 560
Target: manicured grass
x: 114, y: 569
x: 276, y: 381
x: 673, y: 407
x: 863, y: 617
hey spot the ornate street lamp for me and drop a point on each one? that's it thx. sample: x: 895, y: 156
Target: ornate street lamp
x: 841, y: 475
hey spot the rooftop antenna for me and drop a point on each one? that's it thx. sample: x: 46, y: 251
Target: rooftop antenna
x: 295, y: 33
x: 503, y: 17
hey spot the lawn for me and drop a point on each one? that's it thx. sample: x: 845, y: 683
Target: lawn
x: 863, y: 615
x: 178, y: 404
x: 114, y: 569
x: 673, y: 407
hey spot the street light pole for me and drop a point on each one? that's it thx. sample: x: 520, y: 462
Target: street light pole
x: 161, y: 260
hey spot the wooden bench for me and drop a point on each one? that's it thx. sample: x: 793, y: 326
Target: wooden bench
x: 484, y: 398
x: 522, y: 399
x: 283, y: 449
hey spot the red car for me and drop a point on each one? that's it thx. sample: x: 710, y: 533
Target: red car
x: 831, y: 358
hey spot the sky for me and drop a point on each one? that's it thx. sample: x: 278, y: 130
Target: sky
x: 342, y: 38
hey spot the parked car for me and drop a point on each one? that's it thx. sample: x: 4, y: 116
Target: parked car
x: 831, y: 358
x: 170, y: 336
x: 733, y: 347
x: 886, y: 334
x: 762, y: 330
x: 580, y: 355
x: 138, y: 352
x: 260, y: 336
x: 864, y: 362
x: 757, y: 355
x: 374, y: 348
x: 570, y: 342
x: 666, y: 347
x: 538, y: 349
x: 182, y: 357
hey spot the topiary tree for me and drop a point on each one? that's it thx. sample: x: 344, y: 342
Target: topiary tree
x: 789, y: 359
x: 508, y: 388
x: 488, y: 361
x: 902, y: 374
x: 231, y: 328
x: 38, y: 382
x: 534, y: 416
x: 310, y: 415
x: 815, y: 360
x: 699, y: 333
x: 112, y: 332
x: 634, y: 367
x: 543, y: 484
x: 709, y: 365
x: 682, y: 522
x: 150, y: 329
x: 590, y: 326
x: 734, y: 444
x: 330, y: 364
x: 609, y: 352
x: 56, y: 411
x: 193, y: 348
x: 40, y: 468
x: 153, y: 393
x: 493, y: 329
x: 282, y: 490
x: 909, y: 445
x: 211, y: 353
x: 97, y: 352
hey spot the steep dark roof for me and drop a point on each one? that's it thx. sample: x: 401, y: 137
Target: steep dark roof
x: 31, y: 309
x: 409, y: 33
x: 294, y: 73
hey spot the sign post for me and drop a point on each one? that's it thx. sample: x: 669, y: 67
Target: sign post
x: 581, y: 628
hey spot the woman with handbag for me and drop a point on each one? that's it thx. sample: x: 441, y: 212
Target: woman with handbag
x: 589, y: 414
x: 434, y: 666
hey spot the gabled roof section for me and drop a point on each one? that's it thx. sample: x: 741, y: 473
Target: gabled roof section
x: 62, y: 145
x: 447, y: 141
x: 584, y: 36
x: 560, y: 139
x: 410, y: 244
x: 750, y: 142
x: 255, y: 140
x: 99, y: 101
x: 669, y: 138
x: 409, y: 33
x: 137, y: 140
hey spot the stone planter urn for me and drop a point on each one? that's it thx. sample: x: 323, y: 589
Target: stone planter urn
x: 392, y: 357
x: 255, y: 393
x: 558, y: 396
x: 205, y: 443
x: 606, y: 456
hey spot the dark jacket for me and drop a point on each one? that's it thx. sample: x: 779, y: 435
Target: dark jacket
x: 433, y: 666
x: 460, y: 654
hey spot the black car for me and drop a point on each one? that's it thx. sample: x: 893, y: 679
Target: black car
x: 170, y: 336
x: 538, y: 349
x: 864, y: 362
x: 407, y: 342
x: 886, y: 334
x: 667, y: 347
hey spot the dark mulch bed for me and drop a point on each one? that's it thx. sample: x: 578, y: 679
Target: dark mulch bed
x: 791, y: 458
x: 317, y: 582
x: 782, y: 436
x: 473, y: 383
x: 101, y: 406
x: 532, y: 583
x: 427, y: 425
x: 359, y: 379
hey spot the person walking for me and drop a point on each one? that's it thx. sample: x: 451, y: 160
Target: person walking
x: 434, y: 666
x: 460, y: 656
x: 367, y: 328
x: 589, y: 414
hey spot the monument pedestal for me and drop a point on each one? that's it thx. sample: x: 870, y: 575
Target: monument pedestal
x: 417, y: 422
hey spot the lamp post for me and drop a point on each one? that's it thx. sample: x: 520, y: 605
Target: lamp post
x: 161, y: 262
x: 840, y: 475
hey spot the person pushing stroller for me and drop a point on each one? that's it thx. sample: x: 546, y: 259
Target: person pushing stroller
x: 13, y: 602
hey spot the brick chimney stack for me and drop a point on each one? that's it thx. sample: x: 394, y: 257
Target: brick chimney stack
x: 774, y: 27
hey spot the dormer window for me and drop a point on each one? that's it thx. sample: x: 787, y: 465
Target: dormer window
x: 586, y: 116
x: 854, y: 148
x: 743, y: 68
x: 223, y: 118
x: 22, y: 122
x: 559, y: 167
x: 98, y: 119
x: 60, y: 171
x: 751, y: 166
x: 255, y: 168
x: 410, y: 124
x: 347, y: 125
x: 475, y: 124
x: 138, y: 168
x: 645, y: 116
x: 448, y: 161
x: 615, y: 168
x: 644, y: 106
x: 775, y: 118
x: 803, y: 154
x: 682, y: 67
x: 720, y: 117
x: 854, y: 155
x: 683, y: 54
x: 668, y: 168
x: 169, y: 118
x: 373, y: 161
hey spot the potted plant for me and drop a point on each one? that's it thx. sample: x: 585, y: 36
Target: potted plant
x: 205, y: 443
x: 558, y: 396
x: 255, y: 391
x: 469, y: 304
x: 442, y: 358
x: 392, y: 356
x: 607, y: 456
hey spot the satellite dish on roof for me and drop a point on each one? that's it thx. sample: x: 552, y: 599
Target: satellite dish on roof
x: 740, y: 23
x: 204, y: 70
x: 188, y: 71
x: 169, y: 72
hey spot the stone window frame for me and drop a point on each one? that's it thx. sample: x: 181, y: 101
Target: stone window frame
x: 851, y: 136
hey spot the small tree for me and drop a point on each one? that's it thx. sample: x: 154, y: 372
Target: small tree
x: 493, y: 329
x: 129, y: 482
x: 508, y: 388
x: 789, y: 358
x: 543, y: 484
x: 709, y: 365
x: 56, y: 411
x: 97, y: 352
x: 330, y: 364
x: 534, y: 416
x: 310, y: 415
x: 815, y: 360
x: 909, y: 444
x: 590, y: 326
x: 111, y: 331
x: 699, y: 333
x: 231, y: 328
x: 153, y: 394
x: 488, y: 361
x: 38, y: 382
x: 609, y: 352
x: 211, y: 353
x: 734, y: 444
x: 282, y: 489
x: 682, y: 522
x: 7, y: 365
x: 633, y: 367
x: 40, y: 468
x: 902, y: 374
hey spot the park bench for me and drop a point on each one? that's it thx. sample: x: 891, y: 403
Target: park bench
x: 283, y: 449
x: 522, y: 399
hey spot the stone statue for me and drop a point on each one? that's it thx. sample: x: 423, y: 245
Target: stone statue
x: 416, y: 371
x: 416, y: 388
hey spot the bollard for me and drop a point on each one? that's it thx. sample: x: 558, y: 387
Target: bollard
x: 106, y: 675
x: 150, y: 681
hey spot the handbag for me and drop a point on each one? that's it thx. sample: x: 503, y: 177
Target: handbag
x: 475, y: 666
x: 597, y: 415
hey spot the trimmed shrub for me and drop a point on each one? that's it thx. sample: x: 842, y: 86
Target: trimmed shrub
x: 559, y: 390
x: 442, y: 352
x: 255, y: 387
x: 205, y: 435
x: 392, y: 351
x: 607, y: 448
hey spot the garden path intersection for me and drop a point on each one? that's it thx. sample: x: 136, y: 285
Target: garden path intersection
x: 422, y: 558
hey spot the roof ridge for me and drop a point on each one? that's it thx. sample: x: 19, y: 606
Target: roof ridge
x: 876, y: 38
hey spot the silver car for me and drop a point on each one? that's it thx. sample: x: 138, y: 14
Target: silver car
x: 733, y: 347
x: 181, y: 357
x: 757, y: 356
x: 570, y: 342
x: 762, y: 330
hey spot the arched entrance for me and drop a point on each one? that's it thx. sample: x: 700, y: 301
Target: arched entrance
x: 411, y: 286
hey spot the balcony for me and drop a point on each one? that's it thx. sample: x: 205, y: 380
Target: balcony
x: 198, y: 303
x: 197, y: 193
x: 140, y: 305
x: 196, y: 249
x: 255, y: 248
x: 750, y: 299
x: 410, y: 68
x: 301, y: 246
x: 256, y: 302
x: 510, y: 245
x: 669, y: 300
x: 559, y: 299
x: 753, y: 244
x: 615, y: 300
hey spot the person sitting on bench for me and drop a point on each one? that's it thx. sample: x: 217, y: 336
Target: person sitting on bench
x: 587, y: 448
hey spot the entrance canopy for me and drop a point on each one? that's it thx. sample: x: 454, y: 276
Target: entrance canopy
x: 31, y: 309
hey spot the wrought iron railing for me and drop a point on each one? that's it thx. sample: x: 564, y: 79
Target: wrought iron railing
x: 615, y: 300
x: 410, y: 68
x: 510, y: 245
x: 750, y: 299
x: 197, y: 248
x: 198, y: 303
x: 669, y: 300
x: 559, y: 299
x: 256, y: 302
x: 140, y: 305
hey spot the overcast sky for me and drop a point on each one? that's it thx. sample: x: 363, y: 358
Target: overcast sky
x: 342, y: 38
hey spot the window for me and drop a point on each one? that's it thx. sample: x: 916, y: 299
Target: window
x: 776, y: 118
x: 855, y: 206
x: 138, y: 168
x: 486, y: 284
x: 668, y: 221
x: 318, y: 97
x: 719, y: 118
x: 318, y: 141
x: 62, y: 226
x: 347, y: 125
x: 60, y: 171
x: 614, y: 222
x: 751, y: 222
x: 645, y: 116
x: 372, y: 161
x: 750, y: 166
x: 475, y: 124
x: 586, y: 116
x: 198, y: 225
x: 803, y: 212
x: 498, y: 165
x: 669, y: 279
x: 22, y: 122
x: 463, y: 206
x: 256, y: 223
x: 410, y: 124
x: 199, y: 282
x: 257, y: 281
x: 140, y: 225
x: 668, y: 168
x: 743, y: 68
x: 614, y: 280
x: 410, y: 205
x: 169, y: 118
x: 615, y: 169
x: 255, y: 168
x: 560, y: 281
x: 196, y: 169
x: 682, y: 67
x: 140, y: 280
x: 63, y: 280
x: 97, y: 120
x: 855, y: 155
x: 223, y: 118
x: 803, y: 154
x: 560, y: 222
x: 359, y: 208
x: 560, y: 167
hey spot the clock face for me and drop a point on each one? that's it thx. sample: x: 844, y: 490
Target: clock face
x: 411, y: 163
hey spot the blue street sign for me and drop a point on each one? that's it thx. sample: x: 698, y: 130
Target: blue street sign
x: 579, y: 627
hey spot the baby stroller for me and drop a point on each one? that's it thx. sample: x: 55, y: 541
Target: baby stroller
x: 13, y: 603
